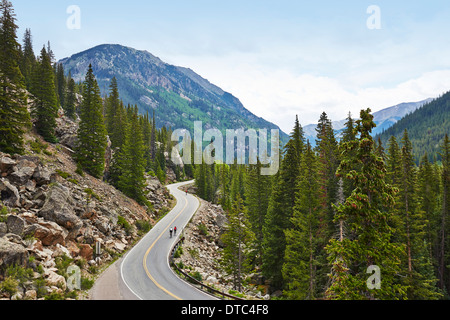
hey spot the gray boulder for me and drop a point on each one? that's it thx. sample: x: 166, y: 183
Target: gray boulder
x: 58, y: 208
x: 15, y: 224
x: 3, y: 229
x: 6, y: 164
x: 12, y: 254
x: 22, y: 172
x: 42, y: 175
x: 9, y: 194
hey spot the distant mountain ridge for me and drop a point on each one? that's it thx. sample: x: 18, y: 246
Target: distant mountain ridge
x: 178, y: 95
x: 384, y: 119
x: 427, y: 127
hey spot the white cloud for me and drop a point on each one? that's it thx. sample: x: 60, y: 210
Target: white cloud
x: 279, y: 94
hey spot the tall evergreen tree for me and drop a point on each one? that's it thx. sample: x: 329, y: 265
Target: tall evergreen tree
x: 368, y: 241
x: 153, y: 140
x: 443, y: 245
x: 418, y: 267
x: 131, y: 161
x: 236, y: 239
x: 45, y: 108
x: 147, y: 136
x: 70, y: 105
x: 61, y: 85
x: 28, y: 60
x: 428, y: 194
x: 348, y: 135
x: 111, y: 106
x: 393, y: 162
x: 302, y: 240
x: 14, y: 116
x: 91, y: 146
x: 280, y: 210
x: 327, y: 150
x: 116, y: 116
x: 257, y: 194
x: 224, y: 186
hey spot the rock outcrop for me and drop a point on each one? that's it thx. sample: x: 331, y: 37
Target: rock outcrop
x: 202, y: 245
x: 202, y: 251
x: 48, y: 212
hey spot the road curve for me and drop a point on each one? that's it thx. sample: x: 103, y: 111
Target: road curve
x: 145, y: 270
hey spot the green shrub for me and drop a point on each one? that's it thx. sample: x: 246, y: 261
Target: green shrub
x: 92, y: 194
x: 143, y: 226
x: 79, y: 170
x: 178, y: 252
x: 74, y: 181
x: 62, y: 263
x: 63, y: 174
x: 87, y: 283
x: 37, y: 146
x: 124, y: 224
x: 54, y: 296
x: 203, y: 230
x: 197, y: 276
x: 9, y: 286
x: 3, y: 214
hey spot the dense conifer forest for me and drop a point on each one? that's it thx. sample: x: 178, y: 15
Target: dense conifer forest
x: 332, y: 212
x: 314, y: 229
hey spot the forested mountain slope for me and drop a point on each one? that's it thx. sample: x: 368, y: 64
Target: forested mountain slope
x: 178, y: 95
x: 426, y: 126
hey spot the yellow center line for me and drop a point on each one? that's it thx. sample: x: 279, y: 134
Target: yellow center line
x: 150, y: 249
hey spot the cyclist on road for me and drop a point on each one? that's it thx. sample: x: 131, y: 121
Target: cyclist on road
x: 170, y: 231
x: 175, y: 231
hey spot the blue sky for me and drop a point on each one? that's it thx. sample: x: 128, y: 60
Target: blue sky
x: 280, y: 58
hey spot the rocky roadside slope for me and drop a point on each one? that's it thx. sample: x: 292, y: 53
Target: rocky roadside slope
x: 201, y: 249
x: 51, y: 218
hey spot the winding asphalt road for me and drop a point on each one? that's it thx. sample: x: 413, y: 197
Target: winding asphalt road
x: 144, y: 273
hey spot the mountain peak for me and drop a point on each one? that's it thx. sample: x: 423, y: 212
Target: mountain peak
x: 384, y: 118
x: 179, y: 95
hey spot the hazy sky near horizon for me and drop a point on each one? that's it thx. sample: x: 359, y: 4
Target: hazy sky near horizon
x: 280, y: 58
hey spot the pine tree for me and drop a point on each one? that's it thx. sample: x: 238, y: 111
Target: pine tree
x: 368, y: 241
x: 348, y: 134
x: 45, y: 108
x: 61, y: 85
x: 70, y: 105
x: 91, y: 145
x: 147, y: 136
x: 153, y: 140
x: 131, y: 161
x: 302, y: 241
x: 280, y: 210
x: 327, y: 150
x: 111, y: 107
x: 224, y: 186
x: 428, y: 195
x: 298, y: 137
x: 202, y: 180
x: 28, y: 60
x: 116, y: 116
x: 419, y: 269
x: 257, y: 194
x: 14, y: 116
x: 443, y: 270
x: 393, y: 162
x: 236, y: 240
